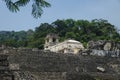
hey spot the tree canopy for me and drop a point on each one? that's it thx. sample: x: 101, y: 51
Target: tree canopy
x: 37, y: 6
x: 81, y: 30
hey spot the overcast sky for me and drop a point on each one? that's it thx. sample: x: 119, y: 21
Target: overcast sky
x: 61, y: 9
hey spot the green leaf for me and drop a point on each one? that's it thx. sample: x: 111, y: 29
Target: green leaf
x: 22, y: 2
x: 12, y: 6
x: 36, y: 11
x: 36, y: 6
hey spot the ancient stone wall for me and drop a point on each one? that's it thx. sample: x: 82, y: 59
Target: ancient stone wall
x: 5, y: 73
x: 33, y: 64
x: 102, y: 48
x: 104, y: 45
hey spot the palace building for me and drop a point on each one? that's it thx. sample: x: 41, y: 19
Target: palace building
x: 68, y: 46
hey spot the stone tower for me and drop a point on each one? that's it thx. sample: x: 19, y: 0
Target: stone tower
x: 50, y: 40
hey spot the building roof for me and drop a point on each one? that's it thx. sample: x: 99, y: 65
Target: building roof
x: 52, y: 35
x: 72, y: 41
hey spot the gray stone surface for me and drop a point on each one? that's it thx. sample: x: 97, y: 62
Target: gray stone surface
x: 29, y: 64
x: 104, y: 45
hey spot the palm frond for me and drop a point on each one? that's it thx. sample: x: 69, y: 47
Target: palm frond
x: 37, y: 7
x: 42, y: 3
x: 22, y: 2
x: 36, y: 10
x: 11, y: 6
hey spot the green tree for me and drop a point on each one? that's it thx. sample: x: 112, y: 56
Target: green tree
x: 37, y: 6
x: 81, y: 30
x: 43, y: 30
x: 60, y: 27
x: 10, y: 42
x: 39, y: 43
x: 70, y: 35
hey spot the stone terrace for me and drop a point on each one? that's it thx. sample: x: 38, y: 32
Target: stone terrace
x: 32, y: 64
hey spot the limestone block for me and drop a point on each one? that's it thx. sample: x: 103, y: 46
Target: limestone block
x: 14, y: 66
x: 107, y: 46
x: 101, y: 69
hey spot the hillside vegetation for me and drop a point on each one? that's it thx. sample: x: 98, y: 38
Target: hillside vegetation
x: 81, y: 30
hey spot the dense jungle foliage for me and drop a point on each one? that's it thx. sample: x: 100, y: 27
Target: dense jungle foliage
x: 81, y: 30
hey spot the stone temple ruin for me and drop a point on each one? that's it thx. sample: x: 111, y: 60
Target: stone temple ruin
x: 104, y: 48
x: 100, y: 61
x: 68, y: 46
